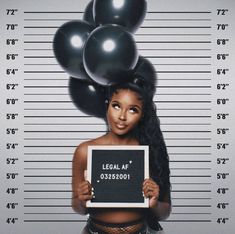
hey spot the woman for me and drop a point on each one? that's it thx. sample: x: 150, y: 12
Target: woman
x: 131, y: 119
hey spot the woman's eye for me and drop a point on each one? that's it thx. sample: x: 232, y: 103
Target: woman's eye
x: 116, y: 106
x: 133, y: 110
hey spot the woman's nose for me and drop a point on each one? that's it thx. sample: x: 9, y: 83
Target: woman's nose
x: 122, y: 115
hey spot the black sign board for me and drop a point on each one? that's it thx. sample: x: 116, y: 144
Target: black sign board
x: 117, y: 173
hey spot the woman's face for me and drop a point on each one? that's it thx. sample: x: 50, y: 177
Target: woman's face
x: 124, y: 111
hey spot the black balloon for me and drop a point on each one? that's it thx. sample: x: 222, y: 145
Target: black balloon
x: 68, y: 47
x: 88, y: 14
x: 89, y: 97
x: 128, y: 13
x: 109, y: 52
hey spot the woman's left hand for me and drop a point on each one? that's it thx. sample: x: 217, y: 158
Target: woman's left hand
x: 151, y: 190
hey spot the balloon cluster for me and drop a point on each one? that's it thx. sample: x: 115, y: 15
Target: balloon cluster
x: 100, y: 49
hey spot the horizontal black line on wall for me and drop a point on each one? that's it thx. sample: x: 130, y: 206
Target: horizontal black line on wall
x: 57, y: 19
x: 84, y: 131
x: 159, y: 64
x: 180, y: 57
x: 193, y: 72
x: 60, y: 139
x: 191, y: 191
x: 39, y: 34
x: 73, y: 146
x: 171, y: 168
x: 186, y: 206
x: 47, y: 168
x: 137, y: 34
x: 170, y: 86
x: 87, y: 124
x: 191, y: 183
x: 53, y: 12
x: 191, y: 198
x: 54, y: 221
x: 179, y: 12
x: 41, y: 64
x: 173, y: 57
x: 26, y: 206
x: 191, y: 161
x: 55, y: 183
x: 148, y: 12
x: 173, y: 34
x: 69, y: 169
x: 183, y: 101
x: 77, y: 221
x: 186, y: 176
x: 69, y: 153
x: 173, y: 49
x: 61, y: 176
x: 148, y: 19
x: 187, y: 221
x: 56, y: 191
x: 184, y: 27
x: 191, y: 213
x: 44, y: 213
x: 191, y: 206
x: 56, y: 116
x: 48, y: 161
x: 48, y: 176
x: 152, y: 41
x: 78, y: 138
x: 69, y: 198
x: 69, y: 161
x: 31, y: 72
x: 175, y: 19
x: 157, y: 94
x: 46, y: 57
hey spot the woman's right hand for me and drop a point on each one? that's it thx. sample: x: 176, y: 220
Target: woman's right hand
x: 84, y: 192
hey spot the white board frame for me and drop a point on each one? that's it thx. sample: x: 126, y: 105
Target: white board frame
x: 145, y: 148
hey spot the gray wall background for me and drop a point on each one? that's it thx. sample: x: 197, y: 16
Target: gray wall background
x: 41, y: 130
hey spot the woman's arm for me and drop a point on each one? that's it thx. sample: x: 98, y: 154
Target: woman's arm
x: 81, y: 188
x: 160, y: 209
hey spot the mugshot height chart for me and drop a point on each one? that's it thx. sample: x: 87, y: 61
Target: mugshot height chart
x: 190, y: 43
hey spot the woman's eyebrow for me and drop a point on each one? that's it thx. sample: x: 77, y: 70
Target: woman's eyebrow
x: 131, y: 105
x: 135, y: 105
x: 115, y: 101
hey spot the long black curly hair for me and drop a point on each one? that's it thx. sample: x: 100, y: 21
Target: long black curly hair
x: 148, y: 132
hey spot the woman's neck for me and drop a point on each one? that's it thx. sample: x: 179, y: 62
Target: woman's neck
x: 127, y: 139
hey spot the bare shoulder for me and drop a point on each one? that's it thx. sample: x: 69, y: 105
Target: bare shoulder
x: 82, y: 149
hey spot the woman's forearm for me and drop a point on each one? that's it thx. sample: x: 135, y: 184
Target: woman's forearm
x: 79, y: 206
x: 162, y: 210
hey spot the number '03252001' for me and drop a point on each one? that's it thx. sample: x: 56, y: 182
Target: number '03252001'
x: 110, y: 176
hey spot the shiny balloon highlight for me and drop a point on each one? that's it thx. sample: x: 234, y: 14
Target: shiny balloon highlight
x: 109, y: 52
x: 68, y: 45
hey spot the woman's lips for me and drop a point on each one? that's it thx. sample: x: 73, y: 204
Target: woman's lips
x: 120, y: 125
